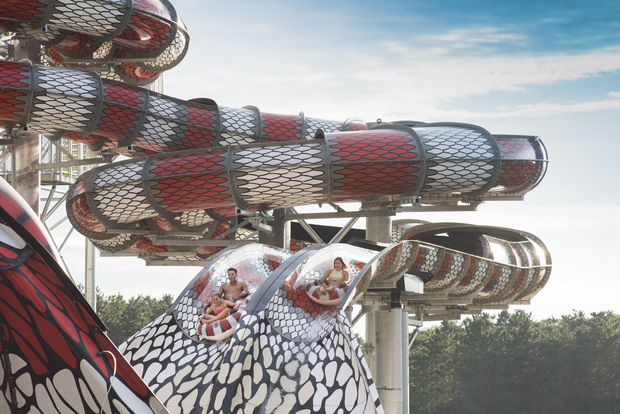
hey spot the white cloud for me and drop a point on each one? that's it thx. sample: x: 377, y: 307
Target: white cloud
x: 468, y: 38
x: 614, y: 94
x: 394, y: 80
x: 539, y: 110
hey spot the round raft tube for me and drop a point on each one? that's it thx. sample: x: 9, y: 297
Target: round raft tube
x: 223, y: 328
x: 314, y: 292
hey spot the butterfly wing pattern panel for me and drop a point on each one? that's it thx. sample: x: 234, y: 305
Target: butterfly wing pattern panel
x: 289, y: 354
x: 54, y: 354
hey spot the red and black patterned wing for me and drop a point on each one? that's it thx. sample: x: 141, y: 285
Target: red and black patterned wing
x: 54, y: 354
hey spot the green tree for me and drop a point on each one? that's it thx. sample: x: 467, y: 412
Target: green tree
x: 510, y: 363
x: 126, y: 317
x: 432, y: 369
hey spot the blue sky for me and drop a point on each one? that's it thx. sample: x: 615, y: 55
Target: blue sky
x: 540, y: 68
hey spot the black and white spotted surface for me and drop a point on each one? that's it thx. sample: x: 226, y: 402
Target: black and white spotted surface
x: 266, y: 373
x: 260, y: 369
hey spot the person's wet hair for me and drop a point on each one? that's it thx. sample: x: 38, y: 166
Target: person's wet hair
x: 233, y: 269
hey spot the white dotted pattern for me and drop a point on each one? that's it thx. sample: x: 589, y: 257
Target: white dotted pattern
x: 313, y: 125
x: 280, y: 187
x: 124, y: 204
x: 463, y: 176
x: 450, y: 277
x: 71, y: 83
x: 165, y: 108
x: 124, y: 173
x: 193, y: 218
x: 288, y: 155
x: 92, y: 17
x: 51, y: 113
x: 454, y: 142
x: 501, y: 284
x: 475, y: 282
x: 239, y: 126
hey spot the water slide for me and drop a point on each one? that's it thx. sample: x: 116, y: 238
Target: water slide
x: 129, y: 40
x: 191, y: 166
x: 189, y: 181
x: 287, y: 353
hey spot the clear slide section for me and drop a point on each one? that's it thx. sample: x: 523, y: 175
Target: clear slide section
x: 288, y: 353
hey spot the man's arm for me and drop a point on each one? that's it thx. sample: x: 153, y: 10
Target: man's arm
x: 244, y: 291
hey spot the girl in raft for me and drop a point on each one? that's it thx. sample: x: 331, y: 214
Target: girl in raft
x: 219, y: 310
x: 334, y: 278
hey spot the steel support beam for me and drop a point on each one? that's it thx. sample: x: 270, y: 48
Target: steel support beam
x: 27, y: 149
x: 281, y: 234
x: 89, y: 278
x: 387, y: 333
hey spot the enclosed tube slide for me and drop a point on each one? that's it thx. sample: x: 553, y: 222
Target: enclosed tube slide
x: 129, y: 40
x: 277, y: 161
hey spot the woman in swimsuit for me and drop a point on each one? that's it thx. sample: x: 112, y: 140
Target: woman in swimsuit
x: 336, y: 277
x: 219, y: 310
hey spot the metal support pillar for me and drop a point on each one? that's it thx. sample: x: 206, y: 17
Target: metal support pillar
x: 370, y: 352
x: 348, y: 311
x: 379, y: 229
x: 90, y: 289
x: 405, y: 360
x: 396, y: 309
x: 27, y: 180
x: 386, y: 333
x: 26, y: 152
x: 281, y: 235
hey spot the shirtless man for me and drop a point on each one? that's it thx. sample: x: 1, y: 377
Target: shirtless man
x: 234, y: 290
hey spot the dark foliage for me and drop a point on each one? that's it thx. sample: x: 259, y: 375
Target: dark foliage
x: 512, y: 364
x: 125, y: 317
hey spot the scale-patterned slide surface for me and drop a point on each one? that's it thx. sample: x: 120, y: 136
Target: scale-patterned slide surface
x: 508, y: 265
x: 92, y: 33
x: 344, y: 166
x: 54, y: 354
x: 108, y: 114
x: 287, y: 354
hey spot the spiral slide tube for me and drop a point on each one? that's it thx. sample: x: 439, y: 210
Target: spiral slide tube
x: 81, y: 106
x: 135, y: 40
x: 427, y: 160
x: 395, y: 160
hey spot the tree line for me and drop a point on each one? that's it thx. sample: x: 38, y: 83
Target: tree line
x: 125, y: 317
x: 509, y: 363
x: 497, y: 364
